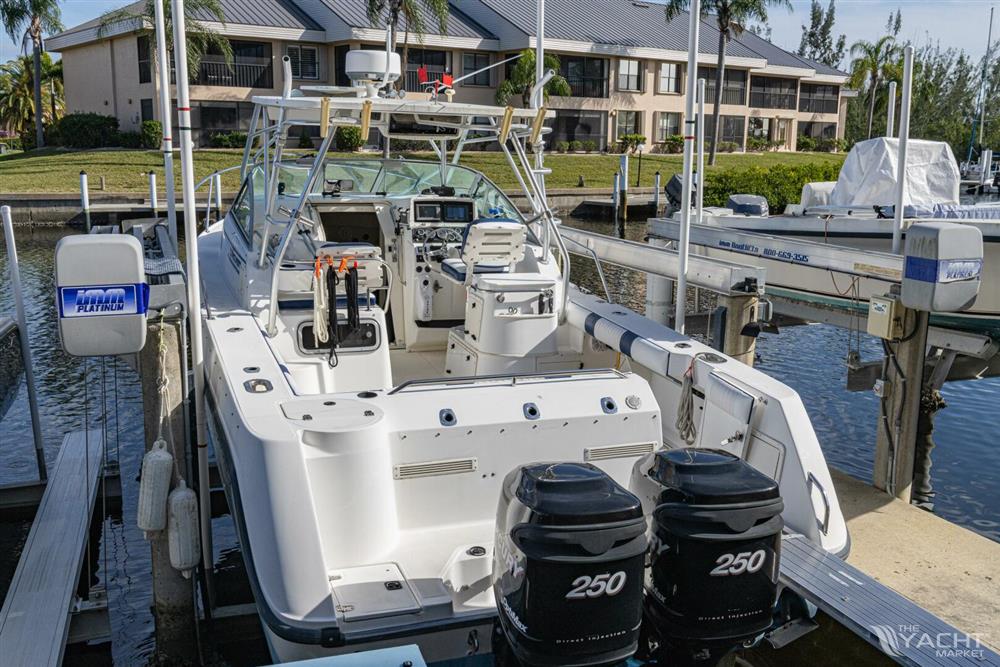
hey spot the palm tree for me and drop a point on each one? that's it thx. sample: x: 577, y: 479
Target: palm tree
x: 413, y: 13
x: 522, y: 79
x: 17, y: 104
x: 26, y: 20
x: 201, y: 39
x: 873, y: 64
x: 732, y: 18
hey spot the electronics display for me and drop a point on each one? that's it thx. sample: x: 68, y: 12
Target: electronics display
x: 442, y: 211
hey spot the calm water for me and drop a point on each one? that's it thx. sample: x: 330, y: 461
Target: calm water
x: 810, y: 359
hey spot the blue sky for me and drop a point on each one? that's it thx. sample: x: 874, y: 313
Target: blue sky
x: 958, y: 23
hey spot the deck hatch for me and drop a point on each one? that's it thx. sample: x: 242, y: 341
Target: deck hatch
x: 617, y: 451
x: 434, y: 468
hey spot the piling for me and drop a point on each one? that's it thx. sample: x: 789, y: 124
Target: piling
x: 656, y: 193
x: 740, y: 311
x: 173, y: 595
x: 153, y: 202
x: 659, y: 291
x: 896, y: 442
x: 615, y: 196
x: 85, y: 200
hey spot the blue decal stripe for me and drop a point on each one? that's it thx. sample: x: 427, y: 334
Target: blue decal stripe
x: 921, y: 268
x: 625, y: 343
x: 591, y: 322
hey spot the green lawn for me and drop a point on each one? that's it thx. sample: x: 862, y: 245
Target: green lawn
x: 57, y: 170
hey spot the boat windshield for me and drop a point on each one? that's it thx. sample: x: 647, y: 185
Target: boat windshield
x: 404, y: 178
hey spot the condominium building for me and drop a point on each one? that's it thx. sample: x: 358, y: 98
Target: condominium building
x: 625, y: 64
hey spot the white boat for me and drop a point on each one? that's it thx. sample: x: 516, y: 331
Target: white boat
x: 364, y: 462
x: 856, y: 211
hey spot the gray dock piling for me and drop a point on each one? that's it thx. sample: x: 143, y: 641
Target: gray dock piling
x: 173, y: 595
x: 153, y: 201
x: 740, y: 311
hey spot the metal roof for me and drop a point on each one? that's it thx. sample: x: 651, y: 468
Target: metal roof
x: 355, y: 14
x: 267, y: 13
x: 824, y: 69
x: 616, y: 22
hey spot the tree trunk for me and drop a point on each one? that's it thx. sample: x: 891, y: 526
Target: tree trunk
x: 36, y: 40
x: 871, y: 106
x: 720, y: 77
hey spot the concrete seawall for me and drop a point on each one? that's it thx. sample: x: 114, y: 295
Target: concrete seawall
x: 61, y: 208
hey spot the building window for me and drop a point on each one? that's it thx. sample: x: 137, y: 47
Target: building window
x: 629, y: 122
x: 251, y: 67
x: 145, y: 65
x: 304, y: 61
x: 473, y: 62
x: 670, y: 78
x: 818, y: 130
x: 734, y: 86
x: 819, y: 98
x: 668, y: 124
x: 629, y: 75
x: 732, y: 129
x: 146, y: 109
x: 583, y: 126
x: 587, y: 77
x: 768, y: 92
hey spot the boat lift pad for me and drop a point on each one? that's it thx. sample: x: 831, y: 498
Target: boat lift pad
x: 899, y: 628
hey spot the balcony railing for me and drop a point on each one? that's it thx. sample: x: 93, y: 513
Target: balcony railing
x: 767, y: 100
x: 413, y: 84
x: 818, y: 104
x: 589, y: 87
x: 241, y: 73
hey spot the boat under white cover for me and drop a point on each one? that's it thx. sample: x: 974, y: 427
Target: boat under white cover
x: 364, y: 481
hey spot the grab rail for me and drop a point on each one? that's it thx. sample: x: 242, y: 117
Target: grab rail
x: 212, y: 179
x: 477, y: 379
x: 812, y: 481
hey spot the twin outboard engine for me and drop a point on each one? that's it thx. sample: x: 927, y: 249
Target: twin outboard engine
x: 567, y: 567
x: 715, y: 538
x: 680, y: 573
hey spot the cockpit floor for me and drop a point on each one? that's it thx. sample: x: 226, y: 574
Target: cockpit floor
x: 416, y: 365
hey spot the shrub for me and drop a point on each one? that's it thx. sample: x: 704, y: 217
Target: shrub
x: 228, y: 140
x: 576, y: 145
x: 758, y: 144
x: 589, y: 145
x: 780, y: 184
x: 305, y: 141
x: 348, y: 138
x: 728, y: 147
x: 829, y: 145
x: 805, y: 143
x: 673, y: 144
x: 152, y: 134
x: 630, y: 142
x: 88, y: 130
x: 128, y: 140
x: 562, y: 146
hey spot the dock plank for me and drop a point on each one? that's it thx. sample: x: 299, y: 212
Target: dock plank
x: 906, y: 632
x: 34, y: 620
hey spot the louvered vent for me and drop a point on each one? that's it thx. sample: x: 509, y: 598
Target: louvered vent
x: 617, y: 451
x: 434, y: 468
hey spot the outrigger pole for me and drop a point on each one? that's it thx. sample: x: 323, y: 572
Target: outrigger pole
x: 690, y: 134
x: 193, y: 280
x: 166, y: 122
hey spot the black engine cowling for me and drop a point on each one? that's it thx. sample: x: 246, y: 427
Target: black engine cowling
x: 715, y: 539
x: 568, y: 566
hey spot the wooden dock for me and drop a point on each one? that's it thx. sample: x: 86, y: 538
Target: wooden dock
x: 37, y: 612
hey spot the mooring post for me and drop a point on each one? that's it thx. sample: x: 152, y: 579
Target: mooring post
x: 896, y: 441
x: 615, y: 196
x: 740, y: 311
x: 153, y: 203
x: 85, y: 201
x: 656, y: 193
x: 623, y: 187
x: 218, y: 195
x: 173, y: 595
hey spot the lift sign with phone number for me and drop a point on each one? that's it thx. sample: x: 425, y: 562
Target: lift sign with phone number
x: 773, y: 253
